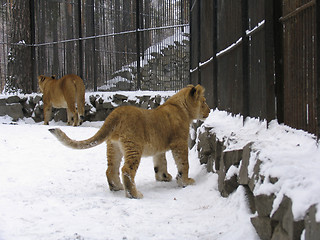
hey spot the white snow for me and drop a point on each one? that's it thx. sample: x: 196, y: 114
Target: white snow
x: 292, y: 156
x: 48, y: 191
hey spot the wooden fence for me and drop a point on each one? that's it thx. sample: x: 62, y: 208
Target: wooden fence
x: 259, y: 58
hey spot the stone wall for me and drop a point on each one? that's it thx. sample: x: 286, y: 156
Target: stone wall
x: 278, y: 224
x: 98, y: 105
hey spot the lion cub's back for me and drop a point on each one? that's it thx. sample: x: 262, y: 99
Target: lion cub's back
x: 147, y: 127
x: 70, y: 80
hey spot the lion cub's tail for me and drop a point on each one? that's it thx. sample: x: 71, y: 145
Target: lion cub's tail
x: 95, y: 140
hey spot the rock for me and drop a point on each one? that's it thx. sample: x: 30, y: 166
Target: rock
x: 3, y: 102
x: 157, y: 99
x: 284, y: 207
x: 37, y: 99
x: 145, y: 98
x: 264, y: 204
x: 133, y: 103
x: 119, y: 97
x: 250, y: 198
x: 207, y: 147
x: 13, y: 99
x: 230, y: 185
x: 284, y: 216
x: 107, y: 105
x: 100, y: 115
x: 255, y: 176
x: 312, y: 227
x: 243, y: 174
x: 13, y: 110
x: 38, y: 113
x: 60, y: 115
x: 27, y: 109
x: 92, y: 100
x: 280, y: 234
x: 210, y: 161
x: 206, y: 142
x: 144, y: 105
x: 228, y: 159
x: 273, y: 180
x: 219, y: 148
x: 263, y: 227
x: 99, y: 104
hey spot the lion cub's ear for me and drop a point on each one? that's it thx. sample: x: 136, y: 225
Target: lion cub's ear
x: 41, y: 78
x: 193, y: 91
x: 197, y: 91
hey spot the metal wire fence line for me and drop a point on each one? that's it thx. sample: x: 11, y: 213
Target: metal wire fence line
x: 96, y: 40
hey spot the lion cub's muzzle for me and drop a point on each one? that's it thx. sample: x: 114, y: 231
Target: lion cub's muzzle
x: 205, y: 111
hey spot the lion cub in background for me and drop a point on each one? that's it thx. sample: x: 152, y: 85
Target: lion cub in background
x: 67, y: 92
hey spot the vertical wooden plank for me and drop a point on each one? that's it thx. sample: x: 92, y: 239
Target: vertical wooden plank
x: 33, y: 50
x: 278, y: 49
x: 215, y: 49
x: 199, y: 40
x: 93, y: 26
x: 138, y: 44
x: 191, y: 41
x: 206, y: 51
x: 80, y: 56
x: 269, y: 61
x: 317, y: 67
x: 245, y: 59
x: 194, y: 64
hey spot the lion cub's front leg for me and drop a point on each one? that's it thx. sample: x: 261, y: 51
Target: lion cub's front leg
x: 180, y: 155
x: 160, y: 168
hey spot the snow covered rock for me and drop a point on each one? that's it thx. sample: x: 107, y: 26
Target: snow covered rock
x: 98, y: 104
x: 281, y: 177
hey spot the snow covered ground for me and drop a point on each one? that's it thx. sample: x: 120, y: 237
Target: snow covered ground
x: 48, y: 191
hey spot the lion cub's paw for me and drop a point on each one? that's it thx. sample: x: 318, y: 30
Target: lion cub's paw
x: 115, y: 188
x: 135, y: 195
x: 185, y: 182
x: 165, y: 177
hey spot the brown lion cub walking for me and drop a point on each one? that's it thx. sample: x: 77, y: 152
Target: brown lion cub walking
x: 67, y: 92
x: 134, y: 132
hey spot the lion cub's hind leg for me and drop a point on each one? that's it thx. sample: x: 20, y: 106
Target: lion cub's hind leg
x: 114, y: 156
x: 73, y: 116
x: 132, y: 160
x: 160, y: 168
x: 47, y: 110
x: 70, y: 117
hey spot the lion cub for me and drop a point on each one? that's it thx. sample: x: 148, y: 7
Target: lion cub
x: 132, y: 132
x: 67, y: 92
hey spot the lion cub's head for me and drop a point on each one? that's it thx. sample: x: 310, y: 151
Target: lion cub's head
x: 192, y: 99
x: 197, y: 102
x: 42, y: 80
